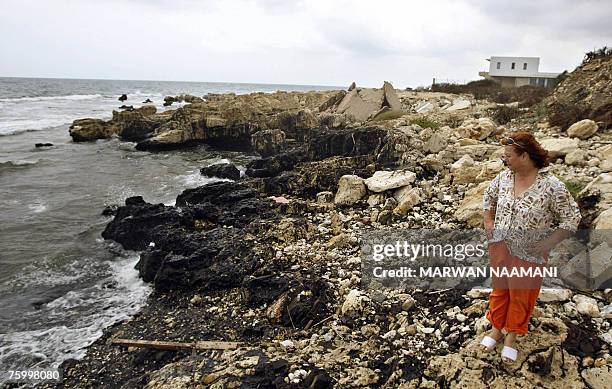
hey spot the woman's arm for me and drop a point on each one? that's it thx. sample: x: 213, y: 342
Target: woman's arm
x: 489, y: 222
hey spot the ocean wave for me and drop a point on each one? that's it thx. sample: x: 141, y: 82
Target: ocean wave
x: 17, y: 132
x: 48, y: 98
x: 144, y: 94
x: 195, y: 178
x: 18, y: 164
x: 79, y: 318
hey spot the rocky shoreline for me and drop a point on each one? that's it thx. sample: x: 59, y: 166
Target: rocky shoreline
x: 273, y: 259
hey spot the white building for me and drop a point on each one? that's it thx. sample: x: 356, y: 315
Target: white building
x: 518, y: 71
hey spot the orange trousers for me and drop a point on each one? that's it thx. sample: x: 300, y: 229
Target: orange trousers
x: 512, y: 299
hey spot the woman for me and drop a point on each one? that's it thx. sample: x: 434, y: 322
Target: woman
x: 527, y: 211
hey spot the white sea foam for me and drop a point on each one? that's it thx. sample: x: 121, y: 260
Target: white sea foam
x: 38, y: 206
x: 18, y: 163
x: 50, y: 98
x: 85, y: 313
x: 194, y: 179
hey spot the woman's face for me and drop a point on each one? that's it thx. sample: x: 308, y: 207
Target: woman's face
x: 513, y: 159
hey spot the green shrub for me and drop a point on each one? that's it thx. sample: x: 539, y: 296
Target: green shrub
x: 453, y: 121
x: 604, y: 52
x: 566, y: 114
x: 574, y: 187
x: 425, y: 122
x: 526, y: 95
x: 503, y: 114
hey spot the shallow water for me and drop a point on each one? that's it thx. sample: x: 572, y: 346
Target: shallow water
x: 61, y: 284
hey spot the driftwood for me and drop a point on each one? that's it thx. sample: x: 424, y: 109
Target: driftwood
x: 163, y: 345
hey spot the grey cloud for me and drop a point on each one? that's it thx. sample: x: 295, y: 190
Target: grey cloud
x: 560, y: 17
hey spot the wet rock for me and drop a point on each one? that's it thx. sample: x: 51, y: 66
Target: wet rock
x: 147, y: 110
x: 83, y: 130
x: 268, y: 142
x: 123, y: 97
x: 221, y: 170
x: 133, y: 125
x: 38, y: 145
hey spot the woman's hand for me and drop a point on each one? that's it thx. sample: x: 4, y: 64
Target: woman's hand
x: 543, y: 247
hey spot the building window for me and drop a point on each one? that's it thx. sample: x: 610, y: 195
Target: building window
x: 499, y: 65
x: 525, y: 66
x: 513, y: 65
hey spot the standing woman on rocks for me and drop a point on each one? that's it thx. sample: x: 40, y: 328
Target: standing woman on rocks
x: 527, y: 211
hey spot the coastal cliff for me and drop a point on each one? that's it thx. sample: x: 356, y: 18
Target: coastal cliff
x: 272, y: 259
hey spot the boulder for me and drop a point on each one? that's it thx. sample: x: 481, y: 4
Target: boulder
x: 479, y: 129
x: 165, y: 140
x: 268, y: 142
x: 383, y: 180
x: 596, y: 196
x: 147, y: 110
x: 351, y: 188
x: 361, y: 104
x: 605, y: 156
x: 424, y: 107
x: 390, y: 97
x: 586, y: 305
x: 583, y: 129
x: 548, y: 295
x: 470, y: 209
x: 589, y: 270
x: 133, y: 125
x: 353, y: 304
x: 465, y: 170
x: 459, y: 104
x: 490, y: 169
x: 598, y: 377
x: 221, y: 170
x: 83, y: 130
x: 407, y: 198
x: 576, y: 158
x: 436, y: 143
x: 559, y: 147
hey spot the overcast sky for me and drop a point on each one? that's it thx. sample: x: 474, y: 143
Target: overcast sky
x: 318, y: 42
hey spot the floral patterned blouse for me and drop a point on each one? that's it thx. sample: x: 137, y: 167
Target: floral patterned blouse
x: 524, y: 221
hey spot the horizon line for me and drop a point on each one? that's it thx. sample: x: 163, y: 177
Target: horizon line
x: 185, y: 81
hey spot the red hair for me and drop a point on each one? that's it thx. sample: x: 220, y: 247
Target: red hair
x: 525, y: 142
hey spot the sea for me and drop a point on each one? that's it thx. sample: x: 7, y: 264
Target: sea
x: 61, y: 283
